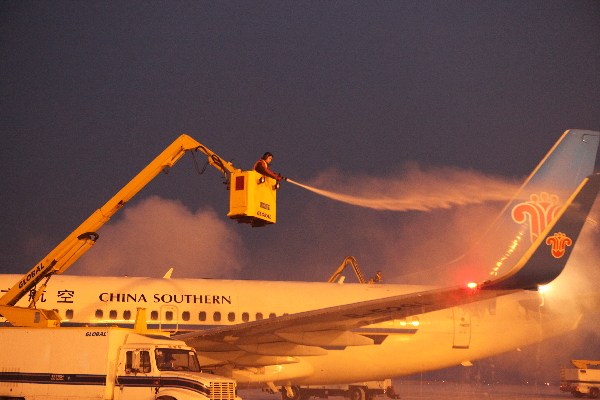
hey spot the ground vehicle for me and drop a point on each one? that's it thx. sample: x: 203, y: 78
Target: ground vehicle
x: 103, y: 363
x: 581, y: 380
x: 353, y: 391
x: 108, y: 363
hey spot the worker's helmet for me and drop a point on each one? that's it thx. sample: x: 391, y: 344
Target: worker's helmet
x: 266, y: 155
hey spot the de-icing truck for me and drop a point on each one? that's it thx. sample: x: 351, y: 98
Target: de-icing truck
x: 103, y: 363
x: 581, y: 380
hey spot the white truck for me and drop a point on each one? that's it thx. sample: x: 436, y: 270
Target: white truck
x: 581, y: 380
x: 103, y: 363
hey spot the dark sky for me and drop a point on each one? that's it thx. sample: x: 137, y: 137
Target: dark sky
x: 344, y: 94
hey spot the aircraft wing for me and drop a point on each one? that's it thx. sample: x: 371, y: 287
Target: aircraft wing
x: 329, y: 327
x: 313, y: 332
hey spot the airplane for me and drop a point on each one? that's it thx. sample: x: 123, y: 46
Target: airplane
x: 271, y: 334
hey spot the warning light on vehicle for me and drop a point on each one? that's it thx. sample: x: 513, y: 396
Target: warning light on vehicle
x: 472, y: 285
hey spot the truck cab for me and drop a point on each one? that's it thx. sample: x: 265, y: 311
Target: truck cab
x: 166, y: 371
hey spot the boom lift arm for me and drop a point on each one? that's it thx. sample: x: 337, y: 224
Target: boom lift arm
x: 84, y: 237
x: 359, y: 275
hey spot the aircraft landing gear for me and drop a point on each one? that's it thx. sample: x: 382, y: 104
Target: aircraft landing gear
x: 290, y: 393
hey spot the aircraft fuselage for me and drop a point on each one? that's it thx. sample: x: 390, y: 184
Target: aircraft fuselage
x: 423, y: 342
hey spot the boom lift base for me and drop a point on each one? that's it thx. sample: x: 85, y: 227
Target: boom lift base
x: 31, y: 317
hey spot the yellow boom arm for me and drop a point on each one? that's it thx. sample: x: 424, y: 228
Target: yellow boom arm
x: 359, y: 275
x: 84, y: 237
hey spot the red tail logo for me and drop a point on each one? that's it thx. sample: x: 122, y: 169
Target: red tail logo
x: 540, y: 210
x: 559, y: 242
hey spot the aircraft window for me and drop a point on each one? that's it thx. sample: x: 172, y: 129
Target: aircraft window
x: 217, y: 316
x: 185, y: 316
x: 154, y: 315
x: 202, y: 316
x: 69, y: 314
x: 99, y: 314
x: 272, y: 315
x: 112, y: 314
x: 231, y: 316
x: 259, y: 316
x: 245, y: 317
x: 169, y: 315
x: 126, y: 314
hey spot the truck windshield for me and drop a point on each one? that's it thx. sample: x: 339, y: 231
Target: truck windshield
x: 176, y: 360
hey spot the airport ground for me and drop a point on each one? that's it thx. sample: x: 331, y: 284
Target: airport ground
x: 416, y: 390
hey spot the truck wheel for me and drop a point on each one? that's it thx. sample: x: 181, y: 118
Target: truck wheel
x: 295, y: 393
x: 594, y: 392
x: 357, y: 393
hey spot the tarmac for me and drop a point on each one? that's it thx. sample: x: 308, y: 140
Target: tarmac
x: 446, y: 390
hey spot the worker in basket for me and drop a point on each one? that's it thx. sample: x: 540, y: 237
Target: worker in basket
x: 262, y: 167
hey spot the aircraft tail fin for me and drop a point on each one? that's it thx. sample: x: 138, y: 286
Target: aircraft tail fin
x: 547, y: 257
x: 533, y: 208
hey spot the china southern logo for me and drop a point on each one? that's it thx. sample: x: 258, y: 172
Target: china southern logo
x: 540, y: 211
x: 559, y: 242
